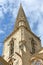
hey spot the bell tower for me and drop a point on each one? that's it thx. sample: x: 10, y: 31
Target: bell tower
x: 22, y: 43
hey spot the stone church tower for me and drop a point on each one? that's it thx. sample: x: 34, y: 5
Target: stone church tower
x: 22, y: 43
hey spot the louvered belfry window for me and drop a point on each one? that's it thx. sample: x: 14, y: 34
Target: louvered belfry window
x: 11, y: 46
x: 33, y: 46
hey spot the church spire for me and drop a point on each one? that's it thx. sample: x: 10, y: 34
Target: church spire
x: 21, y: 18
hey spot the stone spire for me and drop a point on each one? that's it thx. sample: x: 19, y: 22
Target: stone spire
x: 21, y: 17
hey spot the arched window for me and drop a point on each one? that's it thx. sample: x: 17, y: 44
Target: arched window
x: 33, y: 43
x: 11, y: 46
x: 37, y: 62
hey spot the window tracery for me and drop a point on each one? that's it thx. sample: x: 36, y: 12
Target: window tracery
x: 37, y: 62
x: 33, y: 44
x: 12, y: 46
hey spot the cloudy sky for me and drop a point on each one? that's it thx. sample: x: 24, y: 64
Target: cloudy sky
x: 8, y: 12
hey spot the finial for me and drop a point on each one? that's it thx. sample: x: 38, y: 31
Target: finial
x: 20, y: 4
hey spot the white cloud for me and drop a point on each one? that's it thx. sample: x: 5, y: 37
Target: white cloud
x: 2, y: 1
x: 1, y: 14
x: 1, y: 31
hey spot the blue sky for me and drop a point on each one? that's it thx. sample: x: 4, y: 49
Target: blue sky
x: 8, y: 12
